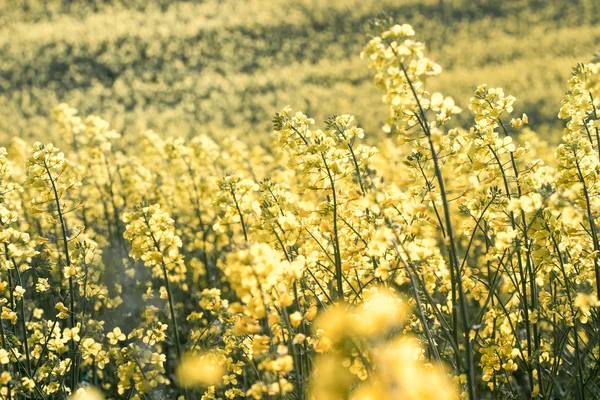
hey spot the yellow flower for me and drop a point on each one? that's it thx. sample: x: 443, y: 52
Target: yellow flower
x: 295, y: 319
x: 115, y: 336
x: 201, y: 369
x: 71, y: 334
x: 63, y: 312
x: 89, y: 347
x: 27, y: 384
x: 18, y: 292
x: 42, y: 285
x: 5, y: 377
x: 10, y: 315
x: 88, y: 393
x: 4, y: 357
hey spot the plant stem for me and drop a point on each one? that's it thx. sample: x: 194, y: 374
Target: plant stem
x: 451, y: 242
x: 63, y: 227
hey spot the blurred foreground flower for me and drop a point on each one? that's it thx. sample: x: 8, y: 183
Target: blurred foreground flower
x: 88, y: 393
x: 201, y: 369
x: 366, y: 356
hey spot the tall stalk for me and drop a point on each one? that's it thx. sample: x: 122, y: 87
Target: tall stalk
x: 451, y: 241
x: 65, y: 239
x: 169, y: 294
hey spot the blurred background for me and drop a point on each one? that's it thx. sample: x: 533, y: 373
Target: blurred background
x: 225, y: 67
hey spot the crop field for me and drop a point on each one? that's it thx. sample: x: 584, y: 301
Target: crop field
x: 224, y: 66
x: 299, y: 199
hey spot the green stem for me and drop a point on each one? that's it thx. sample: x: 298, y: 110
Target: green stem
x: 63, y: 227
x: 451, y: 245
x: 337, y: 255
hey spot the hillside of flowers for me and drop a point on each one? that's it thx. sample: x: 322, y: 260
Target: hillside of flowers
x: 184, y: 67
x: 447, y: 262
